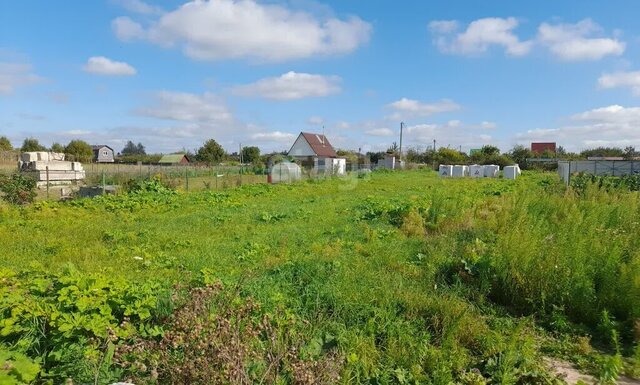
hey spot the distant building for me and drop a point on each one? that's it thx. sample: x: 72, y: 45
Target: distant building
x: 314, y: 151
x: 540, y: 147
x: 174, y: 159
x: 103, y: 153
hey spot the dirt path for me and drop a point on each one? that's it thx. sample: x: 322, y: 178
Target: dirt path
x: 572, y: 376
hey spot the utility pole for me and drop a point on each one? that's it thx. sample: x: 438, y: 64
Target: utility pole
x: 401, y: 126
x: 240, y: 156
x: 434, y: 154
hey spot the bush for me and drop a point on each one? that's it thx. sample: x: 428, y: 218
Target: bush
x: 18, y: 189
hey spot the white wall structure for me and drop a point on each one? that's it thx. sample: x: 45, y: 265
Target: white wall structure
x: 301, y: 147
x: 445, y: 170
x: 512, y: 172
x: 476, y: 171
x: 460, y: 171
x: 491, y: 171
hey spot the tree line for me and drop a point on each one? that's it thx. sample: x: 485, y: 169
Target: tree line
x: 211, y: 152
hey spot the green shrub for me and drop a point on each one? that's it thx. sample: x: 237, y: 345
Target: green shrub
x: 18, y: 189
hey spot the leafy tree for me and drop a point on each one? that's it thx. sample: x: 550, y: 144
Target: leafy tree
x: 488, y: 150
x: 630, y: 153
x: 211, y: 152
x: 603, y: 151
x: 57, y: 147
x: 132, y: 149
x: 520, y: 154
x: 450, y: 156
x: 79, y: 151
x: 250, y: 154
x: 5, y: 144
x: 32, y: 144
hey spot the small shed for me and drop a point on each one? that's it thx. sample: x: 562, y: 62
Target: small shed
x: 102, y: 153
x: 173, y: 159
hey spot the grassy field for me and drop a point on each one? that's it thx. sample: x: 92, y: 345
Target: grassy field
x: 388, y: 278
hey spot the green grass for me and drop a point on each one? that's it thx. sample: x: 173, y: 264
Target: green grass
x: 412, y: 278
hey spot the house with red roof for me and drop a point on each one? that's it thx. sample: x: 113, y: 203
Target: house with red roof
x: 314, y: 151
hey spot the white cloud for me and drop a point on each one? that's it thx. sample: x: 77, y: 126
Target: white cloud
x: 186, y: 107
x: 274, y: 136
x: 412, y: 108
x: 229, y: 29
x: 291, y: 86
x: 453, y: 134
x: 14, y: 75
x: 574, y: 42
x: 138, y: 6
x: 380, y: 132
x: 479, y: 36
x: 101, y: 65
x: 607, y: 126
x: 127, y: 29
x: 621, y: 80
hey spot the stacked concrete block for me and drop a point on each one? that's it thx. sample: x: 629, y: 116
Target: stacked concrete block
x: 50, y: 166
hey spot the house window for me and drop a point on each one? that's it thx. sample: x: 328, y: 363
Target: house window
x: 105, y: 153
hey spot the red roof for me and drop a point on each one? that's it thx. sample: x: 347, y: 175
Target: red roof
x: 320, y: 145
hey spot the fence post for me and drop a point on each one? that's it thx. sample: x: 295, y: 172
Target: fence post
x: 47, y: 171
x: 103, y: 183
x: 186, y: 177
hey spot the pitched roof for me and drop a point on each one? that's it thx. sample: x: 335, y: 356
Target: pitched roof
x: 320, y: 144
x: 95, y: 147
x: 172, y: 158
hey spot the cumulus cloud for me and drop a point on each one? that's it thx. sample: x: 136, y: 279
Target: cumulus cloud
x: 479, y: 36
x: 575, y: 42
x: 613, y: 125
x: 291, y: 86
x: 186, y: 107
x: 380, y: 132
x: 230, y: 29
x: 274, y: 136
x: 453, y: 133
x: 405, y: 108
x: 101, y: 65
x: 621, y: 80
x: 126, y: 29
x: 15, y: 75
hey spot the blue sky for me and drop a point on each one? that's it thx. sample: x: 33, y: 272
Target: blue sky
x: 172, y: 74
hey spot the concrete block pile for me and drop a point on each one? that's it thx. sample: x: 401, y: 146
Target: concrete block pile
x: 477, y: 171
x: 59, y: 171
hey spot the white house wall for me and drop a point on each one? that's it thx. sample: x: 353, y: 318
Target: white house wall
x: 301, y: 148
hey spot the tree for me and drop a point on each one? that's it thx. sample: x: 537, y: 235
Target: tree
x: 79, y: 151
x: 140, y: 149
x: 57, y: 147
x: 211, y: 152
x: 133, y: 149
x: 520, y: 154
x: 630, y: 153
x: 250, y: 154
x: 450, y: 156
x: 488, y: 150
x: 31, y: 145
x: 5, y: 144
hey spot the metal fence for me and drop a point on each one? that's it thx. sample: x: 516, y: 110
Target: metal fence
x: 598, y: 167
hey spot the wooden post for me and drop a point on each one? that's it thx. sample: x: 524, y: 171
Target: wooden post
x: 186, y: 177
x: 103, y: 183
